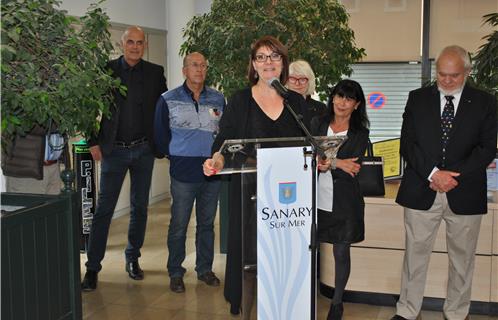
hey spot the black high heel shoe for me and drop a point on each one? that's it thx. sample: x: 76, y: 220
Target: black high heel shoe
x: 335, y: 311
x: 234, y: 309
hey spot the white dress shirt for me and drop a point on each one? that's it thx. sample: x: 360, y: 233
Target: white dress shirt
x: 442, y: 103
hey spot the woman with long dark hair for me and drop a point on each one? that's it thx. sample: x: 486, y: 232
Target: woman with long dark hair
x: 340, y: 204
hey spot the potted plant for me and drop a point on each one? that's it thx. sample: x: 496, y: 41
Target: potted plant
x: 53, y: 70
x: 316, y: 31
x: 485, y: 73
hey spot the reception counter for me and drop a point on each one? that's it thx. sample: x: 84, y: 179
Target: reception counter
x: 376, y: 262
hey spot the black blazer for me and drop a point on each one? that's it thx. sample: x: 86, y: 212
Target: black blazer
x: 316, y: 108
x: 470, y: 149
x: 347, y: 221
x: 233, y: 122
x: 154, y: 86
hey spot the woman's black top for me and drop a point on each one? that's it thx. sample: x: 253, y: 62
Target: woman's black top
x: 315, y: 108
x: 261, y: 126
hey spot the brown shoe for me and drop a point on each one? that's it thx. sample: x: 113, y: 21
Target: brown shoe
x: 398, y: 317
x: 209, y: 278
x: 176, y: 284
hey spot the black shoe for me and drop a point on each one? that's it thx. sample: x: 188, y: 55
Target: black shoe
x: 134, y: 270
x: 89, y: 281
x: 398, y: 317
x: 335, y: 311
x: 234, y: 309
x: 176, y: 284
x: 209, y: 278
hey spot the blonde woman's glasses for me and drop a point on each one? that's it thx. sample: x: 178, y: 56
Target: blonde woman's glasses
x: 295, y: 80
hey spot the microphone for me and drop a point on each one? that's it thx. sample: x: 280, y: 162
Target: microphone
x: 282, y: 91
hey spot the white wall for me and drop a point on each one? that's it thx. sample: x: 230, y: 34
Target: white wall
x: 178, y: 14
x: 145, y: 13
x: 202, y: 6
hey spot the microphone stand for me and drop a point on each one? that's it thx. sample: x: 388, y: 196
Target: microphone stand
x: 315, y: 150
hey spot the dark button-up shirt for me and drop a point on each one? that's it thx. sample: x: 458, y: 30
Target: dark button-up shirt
x: 130, y: 114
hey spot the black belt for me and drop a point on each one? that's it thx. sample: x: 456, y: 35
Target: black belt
x: 131, y: 144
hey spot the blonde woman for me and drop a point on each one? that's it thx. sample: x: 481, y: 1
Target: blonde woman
x: 302, y: 80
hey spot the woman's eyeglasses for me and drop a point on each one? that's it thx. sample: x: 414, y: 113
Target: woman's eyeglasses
x: 274, y: 56
x: 295, y: 80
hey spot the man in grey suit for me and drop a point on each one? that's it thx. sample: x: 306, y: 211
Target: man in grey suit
x: 448, y: 138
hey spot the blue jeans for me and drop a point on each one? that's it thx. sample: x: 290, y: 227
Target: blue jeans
x: 139, y: 160
x: 205, y: 195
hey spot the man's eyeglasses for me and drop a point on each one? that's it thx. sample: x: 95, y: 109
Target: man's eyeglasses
x: 195, y: 65
x: 295, y: 80
x: 274, y: 56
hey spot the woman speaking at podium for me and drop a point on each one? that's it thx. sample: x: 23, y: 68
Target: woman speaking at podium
x: 340, y: 203
x: 254, y: 112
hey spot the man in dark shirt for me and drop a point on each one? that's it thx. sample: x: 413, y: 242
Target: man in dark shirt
x: 125, y: 143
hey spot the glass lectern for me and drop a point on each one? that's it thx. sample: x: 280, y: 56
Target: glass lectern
x: 241, y: 161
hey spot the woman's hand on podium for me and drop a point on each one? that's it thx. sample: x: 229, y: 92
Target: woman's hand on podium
x: 213, y: 165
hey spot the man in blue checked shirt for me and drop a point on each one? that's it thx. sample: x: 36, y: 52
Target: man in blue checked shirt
x: 186, y: 123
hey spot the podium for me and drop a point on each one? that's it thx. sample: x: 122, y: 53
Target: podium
x: 274, y: 178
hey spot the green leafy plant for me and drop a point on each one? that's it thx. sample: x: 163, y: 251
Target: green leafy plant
x: 53, y: 68
x: 314, y: 30
x: 485, y: 73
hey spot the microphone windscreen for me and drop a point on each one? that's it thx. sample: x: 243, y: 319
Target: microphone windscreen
x: 272, y: 80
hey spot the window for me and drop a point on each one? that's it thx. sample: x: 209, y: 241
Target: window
x: 387, y: 85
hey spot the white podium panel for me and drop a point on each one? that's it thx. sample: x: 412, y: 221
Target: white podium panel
x: 284, y: 213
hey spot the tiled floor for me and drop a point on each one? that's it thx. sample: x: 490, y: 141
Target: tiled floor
x: 119, y: 297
